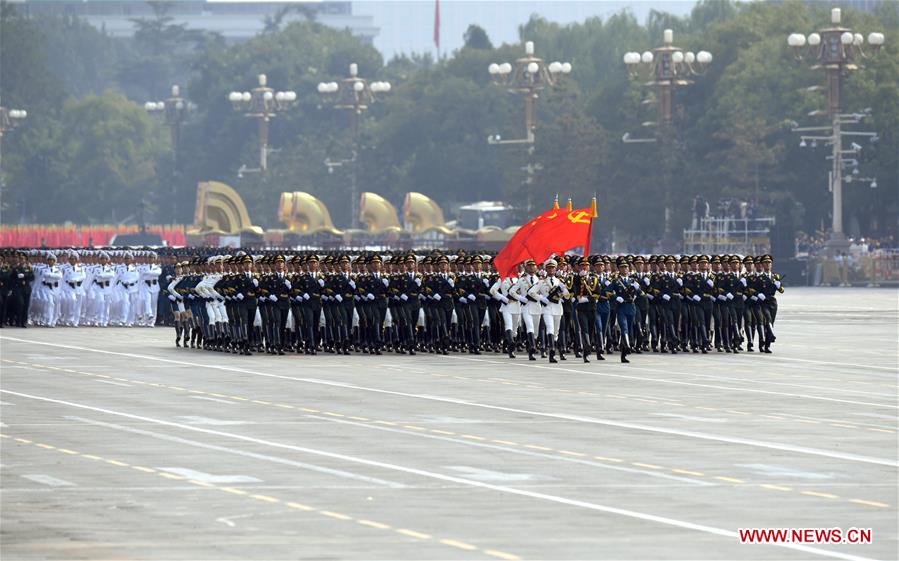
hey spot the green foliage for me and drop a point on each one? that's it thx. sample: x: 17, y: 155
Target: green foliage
x: 98, y: 157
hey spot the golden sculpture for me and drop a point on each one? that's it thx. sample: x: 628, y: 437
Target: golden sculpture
x: 378, y: 214
x: 305, y: 214
x: 221, y: 210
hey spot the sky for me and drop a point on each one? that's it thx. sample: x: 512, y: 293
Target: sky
x: 407, y: 26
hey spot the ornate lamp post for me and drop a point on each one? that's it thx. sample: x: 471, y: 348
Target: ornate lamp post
x: 354, y: 95
x: 837, y: 50
x: 263, y: 104
x: 174, y: 111
x: 527, y: 77
x: 668, y: 68
x: 9, y: 119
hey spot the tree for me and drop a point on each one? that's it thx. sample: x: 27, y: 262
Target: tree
x: 476, y: 38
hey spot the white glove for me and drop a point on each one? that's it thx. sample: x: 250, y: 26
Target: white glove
x: 754, y: 298
x: 730, y: 296
x: 696, y: 298
x: 326, y: 298
x: 370, y: 296
x: 306, y: 296
x: 255, y: 283
x: 356, y: 298
x: 21, y: 275
x: 191, y: 296
x: 437, y: 297
x: 352, y: 284
x: 607, y: 283
x: 545, y: 300
x: 744, y: 297
x: 619, y: 299
x: 239, y: 296
x: 646, y: 281
x: 522, y: 299
x: 762, y: 297
x: 743, y: 281
x: 721, y: 297
x: 403, y: 297
x: 636, y: 285
x: 650, y: 296
x: 451, y: 282
x: 172, y: 298
x: 321, y: 282
x: 472, y: 297
x: 417, y: 281
x: 385, y: 281
x: 486, y: 282
x: 338, y: 297
x: 273, y: 298
x: 665, y: 297
x: 503, y: 299
x: 463, y: 300
x: 287, y: 284
x: 583, y: 300
x: 680, y: 281
x: 710, y: 282
x: 776, y: 283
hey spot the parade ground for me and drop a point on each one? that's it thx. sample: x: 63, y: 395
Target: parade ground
x: 117, y: 445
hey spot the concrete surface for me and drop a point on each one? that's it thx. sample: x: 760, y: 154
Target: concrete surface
x: 118, y: 445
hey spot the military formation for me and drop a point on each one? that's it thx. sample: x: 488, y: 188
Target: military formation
x: 73, y: 288
x: 407, y: 303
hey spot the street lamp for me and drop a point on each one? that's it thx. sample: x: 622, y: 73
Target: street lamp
x: 668, y: 68
x: 262, y: 104
x: 174, y: 111
x: 837, y: 50
x: 9, y: 119
x: 353, y: 94
x: 527, y: 77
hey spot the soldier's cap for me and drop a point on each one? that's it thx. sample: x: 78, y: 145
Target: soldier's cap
x: 630, y: 258
x: 694, y: 259
x: 582, y: 261
x: 410, y: 259
x: 550, y: 263
x: 735, y: 259
x: 639, y: 259
x: 530, y: 262
x: 312, y: 258
x: 766, y: 258
x: 476, y: 259
x: 670, y: 259
x: 442, y: 259
x: 246, y: 259
x: 621, y: 261
x: 278, y: 259
x: 344, y: 258
x: 748, y: 260
x: 702, y: 259
x: 685, y: 259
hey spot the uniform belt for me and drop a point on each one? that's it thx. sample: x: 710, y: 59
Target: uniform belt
x: 102, y: 283
x: 51, y: 284
x: 150, y: 282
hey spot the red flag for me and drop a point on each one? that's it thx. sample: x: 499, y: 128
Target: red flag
x: 437, y: 25
x: 554, y: 231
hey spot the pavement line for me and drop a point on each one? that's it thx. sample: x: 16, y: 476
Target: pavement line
x: 776, y: 487
x: 649, y: 466
x: 269, y: 499
x: 413, y: 534
x: 373, y: 524
x: 729, y: 479
x: 818, y: 494
x: 501, y: 555
x: 869, y: 503
x: 688, y: 434
x: 453, y: 479
x: 244, y: 453
x: 688, y: 472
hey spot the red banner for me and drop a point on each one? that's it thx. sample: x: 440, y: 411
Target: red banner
x: 47, y: 235
x: 553, y: 232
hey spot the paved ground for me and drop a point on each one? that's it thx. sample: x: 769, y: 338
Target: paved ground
x: 117, y: 445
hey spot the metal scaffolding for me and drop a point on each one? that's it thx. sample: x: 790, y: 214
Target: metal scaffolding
x: 729, y: 235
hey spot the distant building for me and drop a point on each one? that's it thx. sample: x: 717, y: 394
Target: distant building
x: 235, y: 20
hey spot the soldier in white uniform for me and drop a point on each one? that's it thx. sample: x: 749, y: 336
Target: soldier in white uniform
x: 531, y: 309
x: 103, y: 288
x: 148, y: 290
x: 510, y: 309
x: 73, y: 291
x: 51, y: 277
x: 549, y: 292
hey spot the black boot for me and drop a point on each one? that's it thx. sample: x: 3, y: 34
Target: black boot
x: 509, y: 344
x: 552, y: 349
x: 531, y: 347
